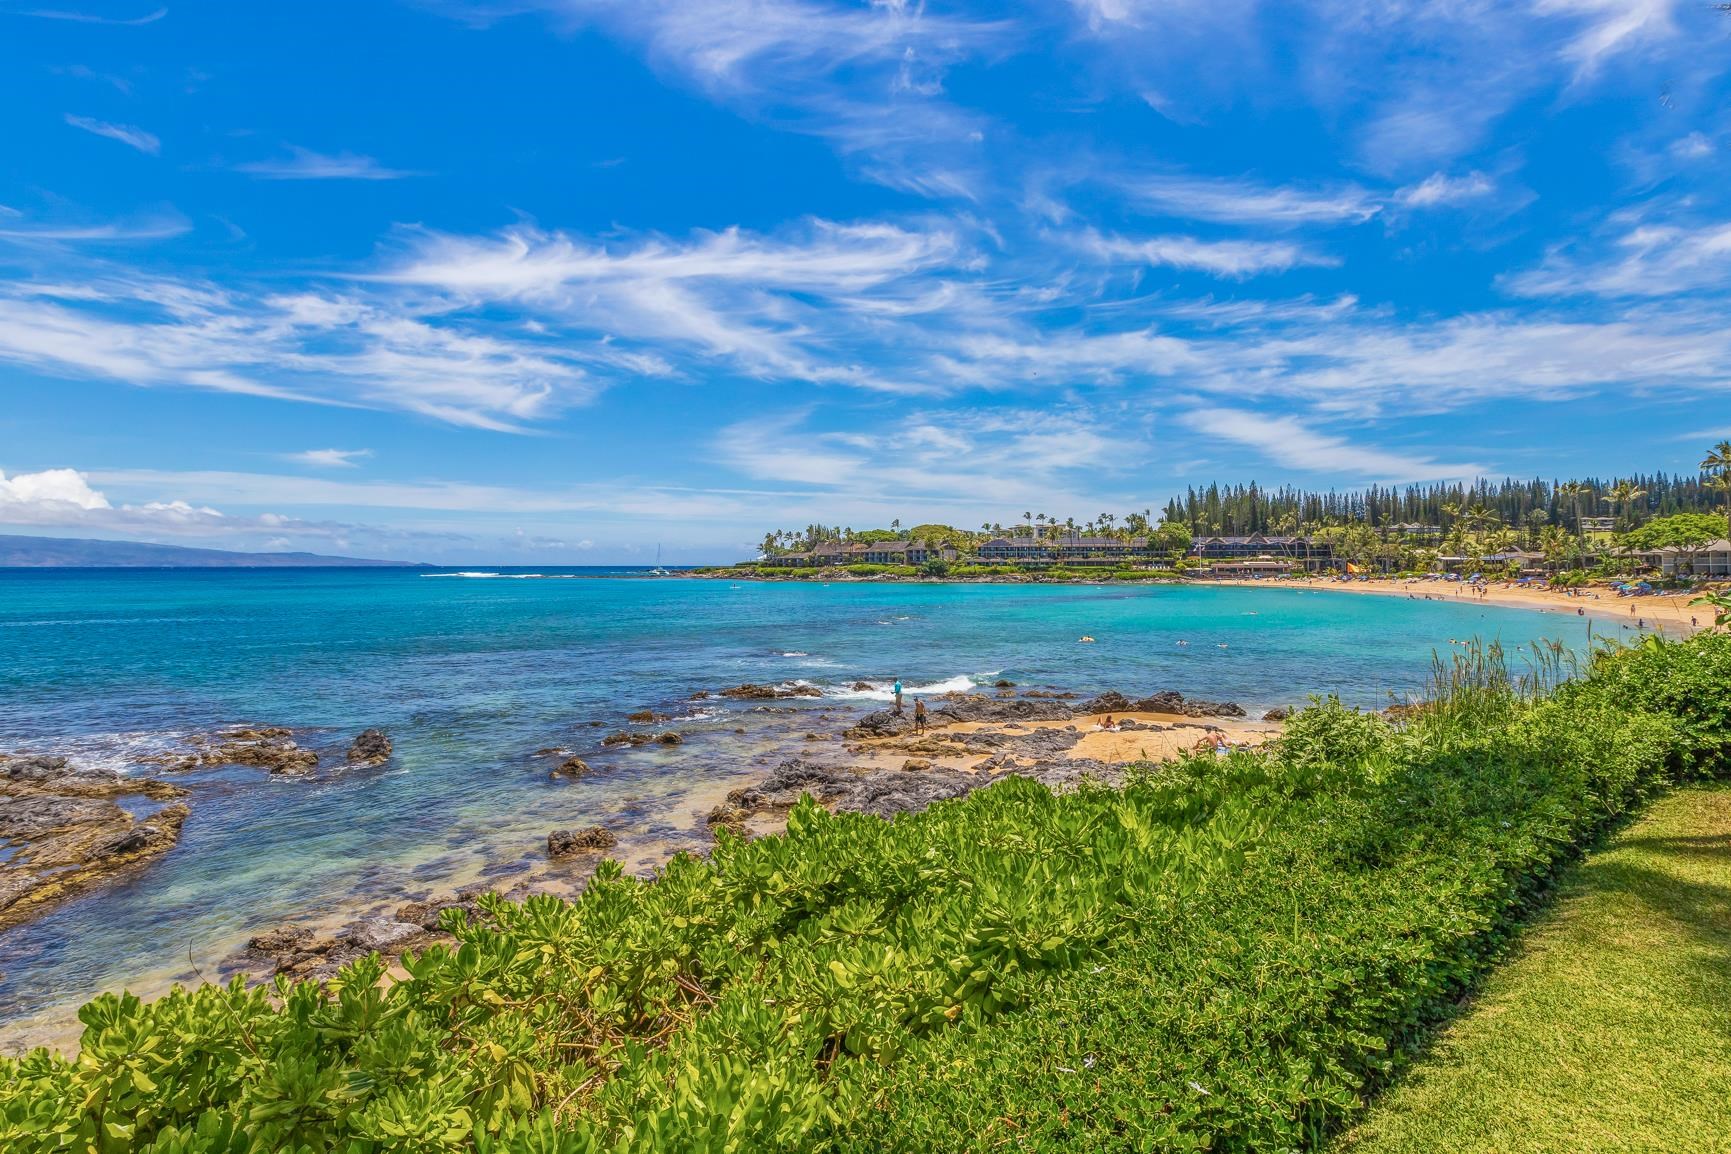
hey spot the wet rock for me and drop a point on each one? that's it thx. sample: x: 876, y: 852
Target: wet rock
x: 670, y: 738
x: 427, y: 914
x: 863, y: 687
x: 1278, y: 713
x: 270, y: 748
x: 646, y: 716
x: 730, y: 818
x: 571, y: 767
x: 916, y: 765
x: 753, y: 692
x: 563, y: 843
x: 283, y: 940
x: 1003, y: 683
x: 371, y: 747
x: 64, y: 833
x: 381, y: 935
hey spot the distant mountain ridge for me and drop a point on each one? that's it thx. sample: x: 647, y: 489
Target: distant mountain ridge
x: 72, y: 552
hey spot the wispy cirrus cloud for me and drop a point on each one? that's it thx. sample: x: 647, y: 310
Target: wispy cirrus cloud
x: 1225, y: 258
x: 77, y: 17
x: 310, y: 347
x: 329, y: 458
x: 1635, y: 258
x: 127, y: 134
x: 305, y: 164
x: 1440, y: 190
x: 1288, y: 442
x: 1228, y: 201
x: 868, y: 78
x: 159, y: 225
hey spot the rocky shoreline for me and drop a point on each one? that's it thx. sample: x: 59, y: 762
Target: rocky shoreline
x: 66, y: 833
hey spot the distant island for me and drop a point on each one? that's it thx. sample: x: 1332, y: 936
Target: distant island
x: 72, y: 553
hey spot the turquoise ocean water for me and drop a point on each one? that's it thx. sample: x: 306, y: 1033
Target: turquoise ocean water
x: 471, y: 676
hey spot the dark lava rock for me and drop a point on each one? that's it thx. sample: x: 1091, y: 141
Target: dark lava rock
x: 1109, y: 702
x: 974, y: 707
x: 371, y: 747
x: 1171, y: 701
x: 562, y: 843
x: 753, y: 692
x: 646, y: 716
x: 1003, y: 683
x: 863, y: 686
x: 572, y: 767
x: 32, y: 767
x: 670, y: 738
x: 883, y: 723
x: 1278, y: 713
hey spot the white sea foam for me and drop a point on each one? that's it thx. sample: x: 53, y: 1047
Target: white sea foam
x: 119, y: 752
x: 885, y: 690
x: 469, y: 574
x: 796, y: 653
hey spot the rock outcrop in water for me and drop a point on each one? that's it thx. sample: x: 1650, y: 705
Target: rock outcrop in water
x: 563, y: 843
x: 270, y: 747
x: 64, y: 833
x: 753, y: 692
x: 371, y: 747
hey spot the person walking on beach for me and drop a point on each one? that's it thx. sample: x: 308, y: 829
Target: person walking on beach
x: 919, y: 715
x: 898, y: 692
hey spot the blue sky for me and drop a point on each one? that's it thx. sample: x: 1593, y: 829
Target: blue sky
x: 559, y: 281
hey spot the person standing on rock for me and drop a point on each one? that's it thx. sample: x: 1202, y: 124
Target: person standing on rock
x: 919, y: 715
x: 898, y: 692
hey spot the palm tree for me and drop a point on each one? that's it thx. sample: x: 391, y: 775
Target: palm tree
x: 1029, y: 518
x: 1573, y: 491
x: 1717, y: 464
x: 1622, y: 495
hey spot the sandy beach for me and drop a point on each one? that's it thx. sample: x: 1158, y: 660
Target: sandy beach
x: 1668, y: 613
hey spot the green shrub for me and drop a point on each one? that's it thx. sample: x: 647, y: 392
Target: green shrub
x: 1226, y: 954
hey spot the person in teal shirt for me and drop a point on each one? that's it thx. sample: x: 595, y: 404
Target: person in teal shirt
x: 898, y: 693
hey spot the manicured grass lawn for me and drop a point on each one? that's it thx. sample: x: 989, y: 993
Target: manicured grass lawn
x: 1610, y: 1029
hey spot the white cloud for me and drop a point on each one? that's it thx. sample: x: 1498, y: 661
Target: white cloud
x: 325, y: 348
x: 1245, y: 202
x: 1606, y: 28
x: 329, y: 458
x: 1287, y: 441
x: 127, y: 134
x: 305, y: 164
x: 151, y: 226
x: 1440, y: 189
x: 1226, y: 258
x: 92, y: 18
x: 868, y: 78
x: 1644, y: 260
x: 50, y: 487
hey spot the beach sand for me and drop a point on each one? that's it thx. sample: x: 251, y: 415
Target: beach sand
x: 1669, y: 613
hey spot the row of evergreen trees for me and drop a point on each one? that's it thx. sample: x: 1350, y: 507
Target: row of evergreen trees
x: 1239, y: 510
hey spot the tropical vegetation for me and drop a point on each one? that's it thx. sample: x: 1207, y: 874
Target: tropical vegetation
x: 1228, y: 953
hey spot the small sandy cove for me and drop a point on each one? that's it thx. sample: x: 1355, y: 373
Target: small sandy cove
x: 1668, y: 612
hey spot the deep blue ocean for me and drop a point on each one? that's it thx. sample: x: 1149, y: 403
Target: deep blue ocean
x: 472, y: 675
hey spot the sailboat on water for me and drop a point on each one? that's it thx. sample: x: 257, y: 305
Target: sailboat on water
x: 658, y: 571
